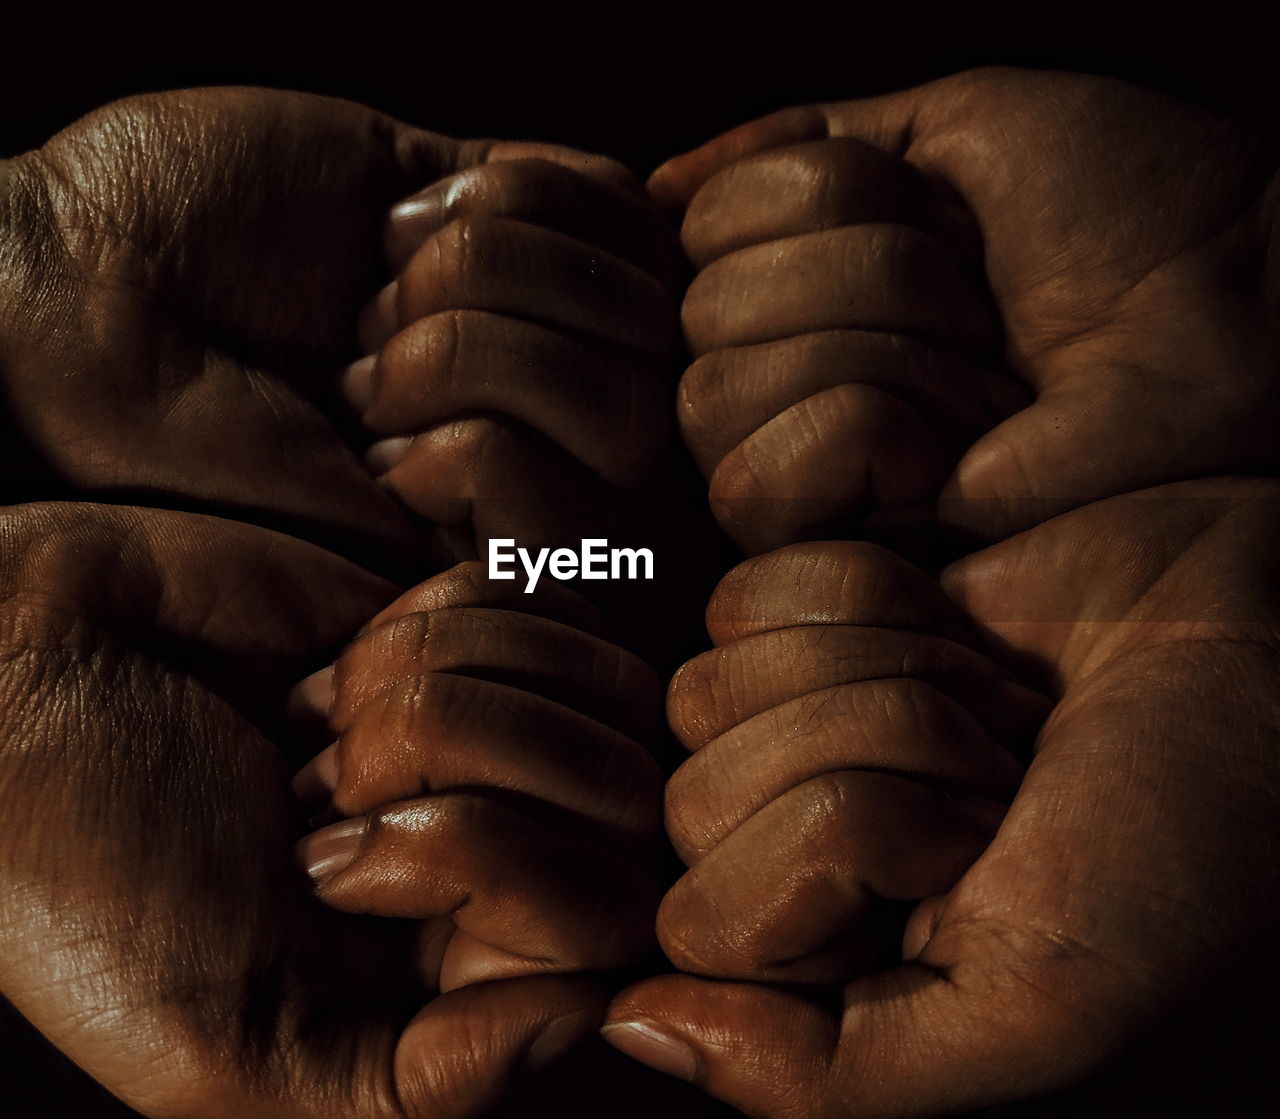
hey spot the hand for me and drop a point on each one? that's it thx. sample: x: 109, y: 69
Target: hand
x: 872, y: 272
x: 518, y: 365
x: 154, y: 923
x: 180, y: 280
x: 1133, y: 866
x: 486, y: 752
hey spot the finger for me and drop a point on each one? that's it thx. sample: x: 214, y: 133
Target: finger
x: 436, y: 732
x: 526, y: 894
x: 674, y: 183
x: 460, y: 1055
x: 602, y: 168
x: 503, y: 480
x: 787, y: 896
x: 606, y: 406
x: 468, y: 584
x: 546, y: 658
x: 828, y: 461
x: 1080, y: 926
x: 724, y: 687
x: 865, y: 277
x: 814, y: 186
x: 618, y: 219
x: 908, y: 1042
x: 512, y: 268
x: 728, y: 394
x: 1107, y: 428
x: 882, y: 122
x: 842, y: 582
x: 900, y: 726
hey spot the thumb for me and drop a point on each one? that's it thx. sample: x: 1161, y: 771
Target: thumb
x: 915, y: 1040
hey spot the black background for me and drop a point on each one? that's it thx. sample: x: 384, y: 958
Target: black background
x: 640, y: 82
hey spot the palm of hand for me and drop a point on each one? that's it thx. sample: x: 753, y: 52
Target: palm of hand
x: 189, y: 268
x: 156, y: 925
x: 1125, y: 875
x: 1124, y: 260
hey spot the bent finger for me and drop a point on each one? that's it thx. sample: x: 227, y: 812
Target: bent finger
x: 607, y: 406
x: 724, y: 687
x: 788, y: 897
x: 527, y: 894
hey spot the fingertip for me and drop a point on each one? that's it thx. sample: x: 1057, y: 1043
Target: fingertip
x: 315, y: 783
x: 672, y: 185
x: 356, y: 383
x: 650, y: 1044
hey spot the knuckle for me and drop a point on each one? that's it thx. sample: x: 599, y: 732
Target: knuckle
x: 905, y: 256
x: 478, y: 442
x: 389, y: 732
x: 701, y: 310
x: 737, y: 485
x: 429, y: 352
x: 918, y: 708
x: 824, y: 804
x: 696, y: 931
x: 526, y: 186
x: 688, y: 810
x: 401, y: 641
x: 701, y: 394
x: 467, y: 246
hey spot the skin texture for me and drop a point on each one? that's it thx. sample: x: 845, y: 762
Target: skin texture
x: 183, y: 275
x: 154, y: 351
x: 994, y: 298
x: 155, y: 923
x: 1134, y: 865
x: 517, y: 366
x: 182, y: 278
x: 455, y: 688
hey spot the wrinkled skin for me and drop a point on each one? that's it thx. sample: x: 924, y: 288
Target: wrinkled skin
x: 182, y: 277
x: 463, y: 693
x: 994, y: 298
x: 156, y: 925
x: 1134, y: 867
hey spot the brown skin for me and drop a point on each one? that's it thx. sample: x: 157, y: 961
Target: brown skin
x: 518, y: 366
x: 995, y: 298
x: 456, y: 689
x: 156, y: 924
x: 1134, y: 865
x: 181, y: 278
x: 180, y: 281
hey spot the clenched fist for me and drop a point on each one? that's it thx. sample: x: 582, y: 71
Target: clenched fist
x: 487, y: 759
x: 855, y: 757
x: 993, y: 298
x: 519, y: 364
x: 181, y: 277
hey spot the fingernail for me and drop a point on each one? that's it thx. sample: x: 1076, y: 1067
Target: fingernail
x: 329, y: 851
x: 557, y: 1037
x: 315, y: 782
x: 356, y: 382
x: 314, y: 695
x: 644, y: 1042
x: 425, y: 208
x: 385, y: 453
